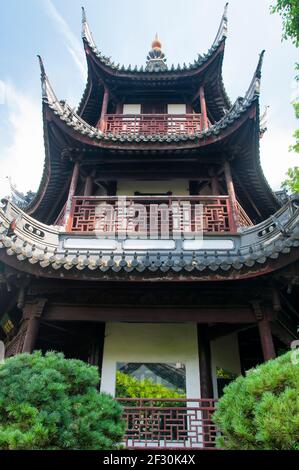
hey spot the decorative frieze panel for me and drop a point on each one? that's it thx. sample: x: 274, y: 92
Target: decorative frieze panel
x: 29, y: 229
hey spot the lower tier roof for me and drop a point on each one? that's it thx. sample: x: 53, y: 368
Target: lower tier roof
x: 49, y: 251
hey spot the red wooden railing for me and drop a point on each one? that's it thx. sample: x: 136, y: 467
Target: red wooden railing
x: 153, y: 124
x: 243, y: 219
x: 88, y: 213
x: 169, y: 423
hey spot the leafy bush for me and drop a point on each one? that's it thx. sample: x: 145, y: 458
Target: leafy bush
x: 49, y: 402
x: 130, y: 387
x: 261, y: 410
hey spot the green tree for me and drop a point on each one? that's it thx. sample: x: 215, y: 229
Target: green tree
x: 289, y: 11
x: 292, y: 182
x: 49, y: 402
x: 261, y: 411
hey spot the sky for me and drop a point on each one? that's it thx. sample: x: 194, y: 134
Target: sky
x: 124, y: 30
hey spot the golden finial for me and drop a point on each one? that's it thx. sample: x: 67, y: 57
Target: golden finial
x: 156, y: 44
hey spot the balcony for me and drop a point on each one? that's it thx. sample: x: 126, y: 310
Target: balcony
x: 153, y: 124
x: 161, y: 216
x: 169, y: 423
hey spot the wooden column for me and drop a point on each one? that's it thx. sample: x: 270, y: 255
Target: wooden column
x: 102, y: 121
x: 203, y: 108
x: 215, y: 186
x: 32, y: 313
x: 266, y: 339
x: 231, y: 191
x: 119, y: 108
x: 101, y: 340
x: 31, y: 335
x: 71, y: 194
x: 88, y: 186
x: 204, y: 352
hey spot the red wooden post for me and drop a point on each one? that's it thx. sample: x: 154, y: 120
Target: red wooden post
x: 231, y: 192
x: 32, y: 313
x: 119, y: 108
x: 266, y: 339
x: 205, y: 373
x: 31, y: 335
x: 71, y: 194
x: 104, y: 110
x: 203, y: 108
x: 204, y: 352
x: 88, y: 186
x: 215, y: 186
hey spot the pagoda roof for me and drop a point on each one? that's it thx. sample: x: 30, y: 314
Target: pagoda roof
x: 35, y: 248
x: 205, y: 69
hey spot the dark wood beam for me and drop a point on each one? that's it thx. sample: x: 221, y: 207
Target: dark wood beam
x: 152, y: 314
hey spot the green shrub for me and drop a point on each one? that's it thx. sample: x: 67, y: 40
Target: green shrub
x: 261, y: 410
x: 130, y: 387
x: 49, y: 402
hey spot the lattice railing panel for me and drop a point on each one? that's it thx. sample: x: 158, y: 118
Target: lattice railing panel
x: 162, y: 215
x: 169, y: 423
x: 243, y: 218
x: 152, y: 124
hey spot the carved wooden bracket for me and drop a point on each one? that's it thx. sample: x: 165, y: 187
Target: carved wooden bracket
x: 34, y: 309
x: 257, y: 309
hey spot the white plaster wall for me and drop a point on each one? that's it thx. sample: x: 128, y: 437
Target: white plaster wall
x: 176, y: 109
x: 177, y: 187
x: 225, y: 354
x: 151, y: 342
x: 132, y: 109
x: 171, y: 108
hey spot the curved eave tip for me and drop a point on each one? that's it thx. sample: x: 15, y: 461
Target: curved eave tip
x: 41, y: 64
x: 260, y: 63
x: 84, y: 19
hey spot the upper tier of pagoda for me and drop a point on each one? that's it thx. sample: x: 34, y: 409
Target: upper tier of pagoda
x: 184, y: 80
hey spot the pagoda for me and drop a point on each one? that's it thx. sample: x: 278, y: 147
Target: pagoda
x: 154, y: 245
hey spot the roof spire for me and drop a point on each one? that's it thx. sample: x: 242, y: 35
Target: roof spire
x: 156, y: 44
x: 156, y: 60
x: 222, y: 31
x: 86, y: 32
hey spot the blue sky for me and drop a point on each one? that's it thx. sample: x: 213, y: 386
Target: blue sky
x: 124, y: 30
